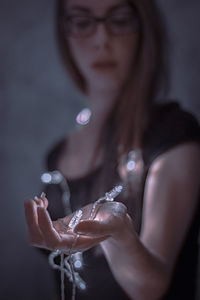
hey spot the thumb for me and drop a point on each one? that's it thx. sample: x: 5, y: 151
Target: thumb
x: 92, y: 228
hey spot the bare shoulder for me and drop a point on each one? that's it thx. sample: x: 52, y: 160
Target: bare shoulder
x: 170, y: 199
x: 176, y: 161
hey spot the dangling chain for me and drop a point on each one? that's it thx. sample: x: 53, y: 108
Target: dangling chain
x: 66, y: 266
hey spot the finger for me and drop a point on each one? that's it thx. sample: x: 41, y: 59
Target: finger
x: 43, y: 202
x: 93, y: 228
x: 44, y: 199
x: 38, y: 201
x: 30, y: 212
x: 50, y: 235
x: 46, y: 203
x: 42, y: 195
x: 32, y: 221
x: 114, y: 208
x: 62, y: 223
x: 72, y: 245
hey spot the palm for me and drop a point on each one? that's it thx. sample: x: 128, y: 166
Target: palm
x: 52, y: 235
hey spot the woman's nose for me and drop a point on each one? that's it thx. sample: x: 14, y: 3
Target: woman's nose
x: 101, y: 38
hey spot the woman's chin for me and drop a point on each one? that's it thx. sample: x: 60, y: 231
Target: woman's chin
x: 105, y: 83
x: 106, y: 86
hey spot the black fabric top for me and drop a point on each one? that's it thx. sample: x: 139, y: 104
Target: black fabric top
x: 170, y: 126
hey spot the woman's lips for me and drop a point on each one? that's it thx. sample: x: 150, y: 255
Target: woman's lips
x: 104, y: 65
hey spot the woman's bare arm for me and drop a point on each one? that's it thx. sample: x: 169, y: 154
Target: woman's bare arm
x: 143, y: 265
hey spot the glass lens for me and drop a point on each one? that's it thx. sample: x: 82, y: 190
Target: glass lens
x: 122, y: 23
x: 80, y: 26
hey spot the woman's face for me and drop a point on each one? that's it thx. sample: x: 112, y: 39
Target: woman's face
x: 103, y: 50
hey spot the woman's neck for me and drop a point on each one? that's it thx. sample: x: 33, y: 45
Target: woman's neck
x: 81, y: 152
x: 101, y: 103
x: 87, y: 137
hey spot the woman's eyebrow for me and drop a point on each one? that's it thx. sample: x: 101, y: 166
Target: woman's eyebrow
x: 119, y: 6
x: 84, y: 9
x: 79, y: 8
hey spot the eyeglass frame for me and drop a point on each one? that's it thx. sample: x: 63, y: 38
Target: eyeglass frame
x: 97, y: 20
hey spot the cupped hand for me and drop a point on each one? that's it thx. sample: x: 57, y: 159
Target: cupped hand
x: 108, y: 220
x: 111, y: 220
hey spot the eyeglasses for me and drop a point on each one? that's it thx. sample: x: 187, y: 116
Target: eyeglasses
x: 83, y: 26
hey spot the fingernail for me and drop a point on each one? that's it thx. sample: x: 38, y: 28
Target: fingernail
x: 43, y: 195
x: 36, y: 198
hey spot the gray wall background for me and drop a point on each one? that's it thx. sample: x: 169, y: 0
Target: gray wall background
x: 38, y: 105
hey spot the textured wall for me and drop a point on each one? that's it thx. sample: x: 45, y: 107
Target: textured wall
x: 38, y: 106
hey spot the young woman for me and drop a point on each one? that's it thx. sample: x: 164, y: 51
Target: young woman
x: 144, y: 245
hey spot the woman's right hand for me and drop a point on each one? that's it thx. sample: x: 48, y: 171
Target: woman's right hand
x: 48, y: 234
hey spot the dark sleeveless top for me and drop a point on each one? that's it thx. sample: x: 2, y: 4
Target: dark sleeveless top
x: 170, y: 126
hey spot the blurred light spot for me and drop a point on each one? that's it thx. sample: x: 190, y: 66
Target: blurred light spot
x: 130, y: 165
x: 119, y: 188
x: 78, y: 264
x: 54, y: 177
x: 83, y: 286
x: 46, y: 178
x: 83, y: 117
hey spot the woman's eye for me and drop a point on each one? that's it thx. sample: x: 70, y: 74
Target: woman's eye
x: 81, y: 22
x: 121, y: 20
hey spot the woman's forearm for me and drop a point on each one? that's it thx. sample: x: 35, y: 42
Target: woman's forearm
x: 142, y: 274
